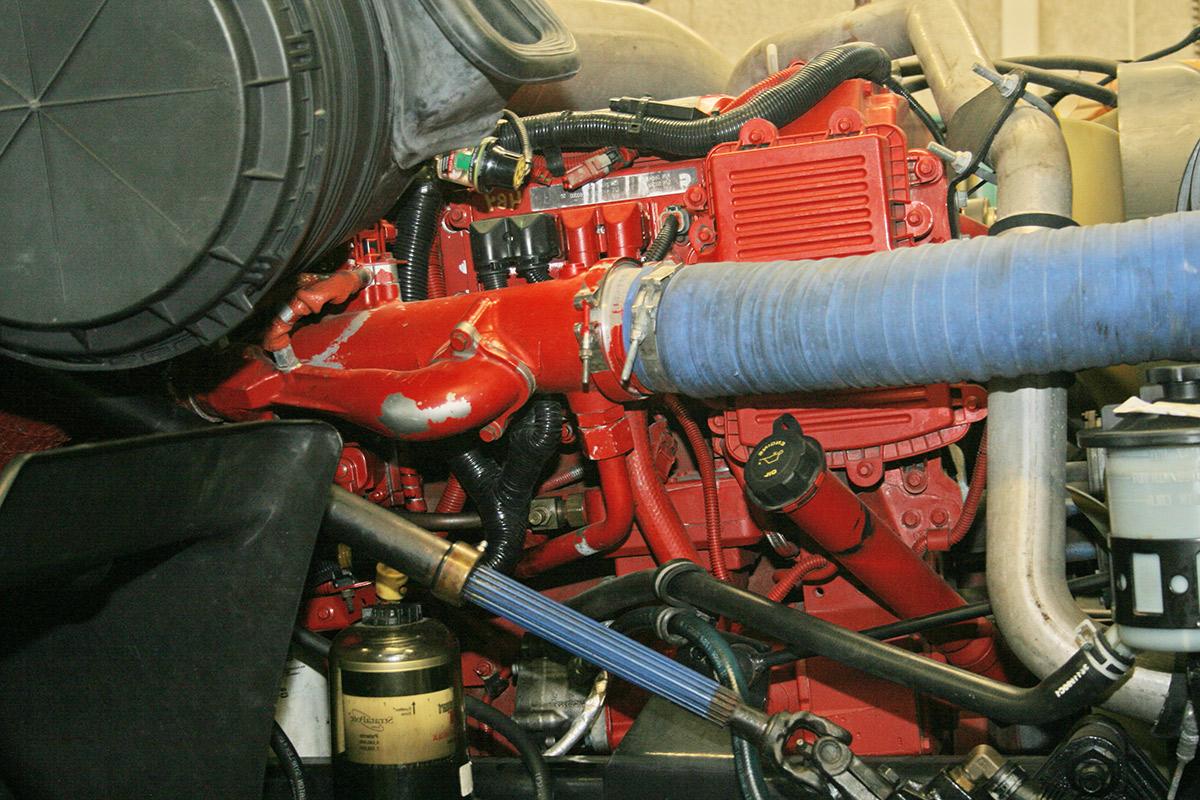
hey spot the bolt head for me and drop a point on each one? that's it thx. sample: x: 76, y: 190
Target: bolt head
x: 910, y: 519
x: 460, y: 341
x: 1092, y: 776
x: 939, y: 517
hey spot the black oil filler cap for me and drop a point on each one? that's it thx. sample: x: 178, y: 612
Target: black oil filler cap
x: 783, y: 468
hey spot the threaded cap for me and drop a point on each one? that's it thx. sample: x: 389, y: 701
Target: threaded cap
x: 783, y: 468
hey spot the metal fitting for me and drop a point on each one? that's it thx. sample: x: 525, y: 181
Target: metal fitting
x: 450, y: 577
x: 285, y: 358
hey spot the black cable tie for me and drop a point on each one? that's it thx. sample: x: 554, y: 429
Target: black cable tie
x: 639, y: 116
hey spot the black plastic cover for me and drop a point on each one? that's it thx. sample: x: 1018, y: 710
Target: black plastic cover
x: 162, y: 162
x: 537, y: 238
x: 147, y: 618
x: 784, y: 467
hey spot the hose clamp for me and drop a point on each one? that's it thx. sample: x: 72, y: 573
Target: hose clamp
x: 646, y: 302
x: 667, y: 573
x: 662, y: 625
x: 1104, y: 658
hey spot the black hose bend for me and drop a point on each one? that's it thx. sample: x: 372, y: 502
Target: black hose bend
x: 416, y: 221
x: 543, y: 785
x: 1082, y: 681
x: 502, y: 495
x: 778, y: 105
x: 289, y: 762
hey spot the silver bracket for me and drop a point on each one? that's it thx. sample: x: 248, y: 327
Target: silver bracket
x: 1009, y: 84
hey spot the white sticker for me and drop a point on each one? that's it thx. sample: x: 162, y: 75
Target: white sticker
x: 1136, y: 405
x: 466, y: 779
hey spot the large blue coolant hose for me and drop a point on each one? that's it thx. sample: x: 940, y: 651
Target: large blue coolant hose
x: 975, y: 309
x: 599, y: 645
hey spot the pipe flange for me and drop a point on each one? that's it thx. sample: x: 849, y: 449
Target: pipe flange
x: 668, y: 572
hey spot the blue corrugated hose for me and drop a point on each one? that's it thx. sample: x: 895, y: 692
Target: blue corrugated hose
x: 596, y: 643
x: 973, y: 309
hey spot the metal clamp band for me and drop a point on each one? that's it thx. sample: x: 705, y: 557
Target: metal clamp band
x: 644, y: 310
x: 667, y: 573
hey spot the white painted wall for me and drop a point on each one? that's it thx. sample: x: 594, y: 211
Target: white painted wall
x: 1109, y: 28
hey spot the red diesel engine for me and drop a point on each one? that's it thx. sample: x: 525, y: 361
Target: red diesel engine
x: 841, y: 180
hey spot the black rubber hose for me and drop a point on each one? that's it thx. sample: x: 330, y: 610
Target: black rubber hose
x: 609, y: 598
x: 779, y: 105
x: 531, y: 755
x: 935, y: 130
x: 668, y: 229
x: 928, y: 622
x: 1077, y: 684
x: 416, y: 221
x: 725, y: 665
x: 1062, y: 83
x: 502, y: 495
x: 289, y: 762
x: 1105, y: 66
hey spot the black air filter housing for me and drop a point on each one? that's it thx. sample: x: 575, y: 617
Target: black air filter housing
x: 162, y: 162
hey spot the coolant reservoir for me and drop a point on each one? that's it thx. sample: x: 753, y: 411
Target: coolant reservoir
x: 399, y: 727
x: 1153, y: 495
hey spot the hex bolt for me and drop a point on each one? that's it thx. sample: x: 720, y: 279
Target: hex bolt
x: 958, y: 160
x: 1092, y: 776
x: 539, y: 515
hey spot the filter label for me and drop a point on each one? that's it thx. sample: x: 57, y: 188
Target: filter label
x: 399, y: 730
